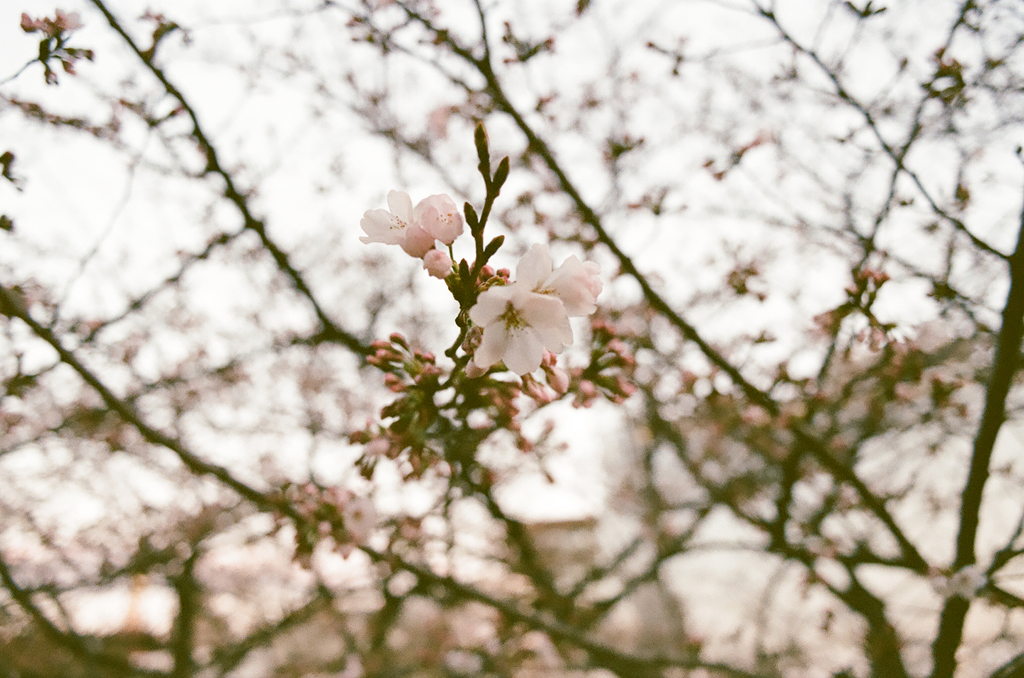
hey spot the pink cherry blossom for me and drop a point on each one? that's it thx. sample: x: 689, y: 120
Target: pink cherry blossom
x: 414, y: 230
x: 439, y: 216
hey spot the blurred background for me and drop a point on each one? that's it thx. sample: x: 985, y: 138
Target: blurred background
x: 791, y: 439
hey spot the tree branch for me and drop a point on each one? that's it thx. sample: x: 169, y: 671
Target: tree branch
x: 821, y: 452
x: 329, y: 331
x: 1004, y: 367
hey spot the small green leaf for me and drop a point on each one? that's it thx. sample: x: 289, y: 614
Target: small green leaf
x: 480, y: 138
x: 471, y: 218
x: 501, y: 174
x: 493, y: 246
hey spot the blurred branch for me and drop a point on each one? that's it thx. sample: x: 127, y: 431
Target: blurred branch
x: 227, y: 659
x: 329, y: 330
x: 882, y: 640
x: 70, y: 640
x: 183, y: 636
x: 623, y: 664
x: 140, y: 301
x: 1011, y: 669
x: 828, y: 458
x: 11, y: 305
x: 896, y: 156
x: 1004, y: 368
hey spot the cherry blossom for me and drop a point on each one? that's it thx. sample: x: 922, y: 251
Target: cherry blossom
x: 415, y: 230
x: 575, y: 283
x: 439, y: 216
x: 397, y: 226
x: 519, y: 325
x: 522, y: 320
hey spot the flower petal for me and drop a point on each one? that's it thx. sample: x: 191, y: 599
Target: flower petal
x: 555, y: 337
x: 381, y: 226
x: 546, y: 315
x: 534, y: 267
x: 539, y: 309
x: 400, y: 205
x: 524, y: 352
x: 440, y: 217
x: 416, y: 242
x: 492, y: 346
x: 490, y: 305
x: 577, y: 284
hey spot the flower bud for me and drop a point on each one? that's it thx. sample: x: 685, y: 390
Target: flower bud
x: 437, y: 263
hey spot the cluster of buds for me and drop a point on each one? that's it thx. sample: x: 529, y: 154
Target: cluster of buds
x: 609, y: 374
x: 865, y: 286
x: 61, y: 23
x: 397, y: 443
x: 402, y: 365
x: 861, y: 295
x: 56, y: 32
x: 413, y: 375
x: 557, y: 381
x: 328, y: 513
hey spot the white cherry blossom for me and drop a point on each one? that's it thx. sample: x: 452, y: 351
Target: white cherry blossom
x: 575, y: 283
x: 518, y: 326
x: 522, y: 320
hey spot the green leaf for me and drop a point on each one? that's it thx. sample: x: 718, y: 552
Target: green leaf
x: 493, y: 246
x: 468, y: 284
x: 480, y: 138
x: 501, y: 174
x: 471, y: 218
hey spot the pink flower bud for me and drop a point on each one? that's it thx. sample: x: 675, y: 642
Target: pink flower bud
x: 558, y: 380
x: 378, y: 447
x: 437, y: 263
x: 28, y: 24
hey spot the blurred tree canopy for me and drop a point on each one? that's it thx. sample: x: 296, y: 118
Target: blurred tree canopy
x: 235, y: 441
